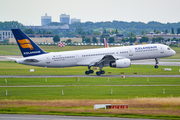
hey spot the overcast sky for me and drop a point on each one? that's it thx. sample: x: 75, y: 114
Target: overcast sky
x: 29, y: 12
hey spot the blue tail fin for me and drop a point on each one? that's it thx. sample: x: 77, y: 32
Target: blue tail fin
x: 26, y: 45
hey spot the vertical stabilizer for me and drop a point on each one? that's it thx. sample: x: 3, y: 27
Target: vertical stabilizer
x: 26, y: 45
x: 105, y: 43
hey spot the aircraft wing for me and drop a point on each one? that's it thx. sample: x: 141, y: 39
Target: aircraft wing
x: 105, y: 60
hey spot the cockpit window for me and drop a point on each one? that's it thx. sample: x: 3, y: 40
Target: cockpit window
x: 169, y: 48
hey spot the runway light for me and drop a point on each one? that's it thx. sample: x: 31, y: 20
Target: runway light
x: 77, y: 78
x: 6, y: 92
x: 123, y: 76
x: 62, y: 92
x: 163, y: 91
x: 31, y: 70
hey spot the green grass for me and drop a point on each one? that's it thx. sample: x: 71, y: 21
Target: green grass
x: 82, y: 91
x: 37, y: 111
x: 9, y: 50
x: 88, y: 81
x: 14, y: 49
x: 87, y: 92
x: 12, y: 68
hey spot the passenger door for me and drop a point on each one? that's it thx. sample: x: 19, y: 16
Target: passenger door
x: 161, y: 50
x: 131, y: 51
x: 47, y: 59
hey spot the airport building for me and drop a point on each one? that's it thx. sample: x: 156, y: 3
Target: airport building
x: 45, y: 20
x: 45, y: 40
x: 73, y: 20
x: 5, y: 35
x: 64, y: 18
x: 62, y: 27
x: 165, y: 36
x: 117, y: 37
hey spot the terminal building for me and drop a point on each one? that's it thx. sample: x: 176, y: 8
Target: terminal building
x: 64, y: 18
x: 5, y: 35
x: 45, y: 20
x: 62, y: 27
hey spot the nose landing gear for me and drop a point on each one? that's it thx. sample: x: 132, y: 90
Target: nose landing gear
x: 156, y: 66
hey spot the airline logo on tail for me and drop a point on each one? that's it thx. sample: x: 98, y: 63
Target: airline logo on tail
x: 25, y: 43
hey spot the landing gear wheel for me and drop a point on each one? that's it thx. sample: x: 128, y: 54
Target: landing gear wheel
x: 156, y: 66
x: 87, y: 72
x: 91, y: 71
x: 98, y: 73
x: 102, y: 72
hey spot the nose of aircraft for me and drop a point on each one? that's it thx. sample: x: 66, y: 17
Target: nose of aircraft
x: 173, y: 52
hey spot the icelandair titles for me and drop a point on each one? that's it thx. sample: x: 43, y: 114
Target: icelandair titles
x: 33, y: 52
x: 142, y: 48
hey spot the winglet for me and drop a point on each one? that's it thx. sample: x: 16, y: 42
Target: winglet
x: 26, y: 45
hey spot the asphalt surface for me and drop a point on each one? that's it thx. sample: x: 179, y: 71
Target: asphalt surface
x: 66, y: 76
x: 56, y: 117
x: 162, y: 62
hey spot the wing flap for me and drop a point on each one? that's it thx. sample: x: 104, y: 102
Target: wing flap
x: 105, y: 60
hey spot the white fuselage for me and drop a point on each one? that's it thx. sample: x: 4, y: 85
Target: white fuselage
x: 86, y: 57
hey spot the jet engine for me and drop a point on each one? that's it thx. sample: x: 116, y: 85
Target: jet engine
x: 122, y: 63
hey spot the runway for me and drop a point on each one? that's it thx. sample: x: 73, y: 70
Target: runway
x: 162, y: 62
x: 66, y: 76
x: 57, y: 117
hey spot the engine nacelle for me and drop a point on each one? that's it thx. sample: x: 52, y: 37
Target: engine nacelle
x: 122, y: 63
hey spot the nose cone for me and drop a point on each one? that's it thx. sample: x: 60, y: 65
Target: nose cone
x: 173, y: 52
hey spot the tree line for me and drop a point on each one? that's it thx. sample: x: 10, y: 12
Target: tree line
x: 129, y: 29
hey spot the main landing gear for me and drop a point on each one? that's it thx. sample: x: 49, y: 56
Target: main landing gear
x: 100, y: 72
x: 156, y: 66
x: 91, y: 71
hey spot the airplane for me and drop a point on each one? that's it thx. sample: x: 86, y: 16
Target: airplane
x: 117, y: 57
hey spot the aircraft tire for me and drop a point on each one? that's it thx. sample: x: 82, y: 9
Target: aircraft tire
x: 91, y: 71
x: 87, y: 72
x: 102, y: 72
x: 98, y: 73
x: 156, y: 66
